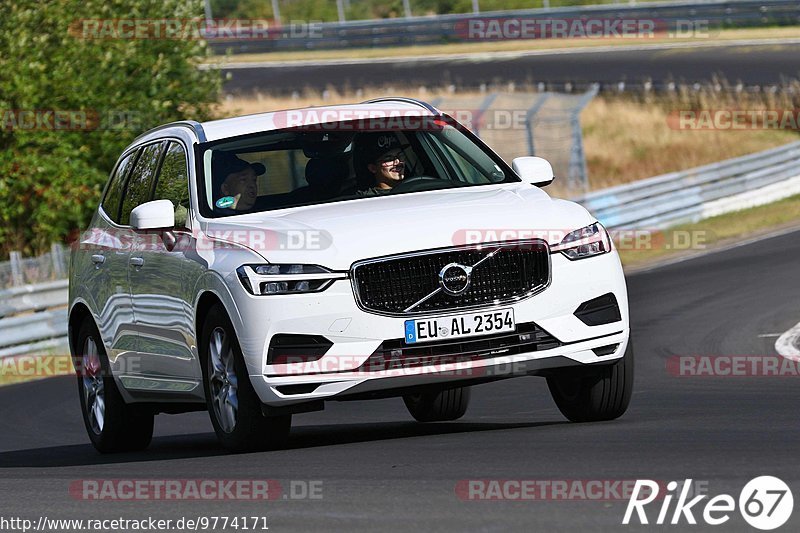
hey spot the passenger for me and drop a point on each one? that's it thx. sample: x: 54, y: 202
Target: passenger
x: 238, y: 190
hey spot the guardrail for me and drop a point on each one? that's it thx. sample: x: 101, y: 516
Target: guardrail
x: 697, y: 193
x: 654, y: 203
x: 440, y: 29
x: 33, y: 318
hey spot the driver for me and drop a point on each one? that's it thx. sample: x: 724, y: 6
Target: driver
x: 383, y: 155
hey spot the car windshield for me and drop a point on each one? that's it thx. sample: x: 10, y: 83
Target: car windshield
x: 337, y: 162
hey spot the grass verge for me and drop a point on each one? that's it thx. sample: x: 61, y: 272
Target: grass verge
x: 691, y: 239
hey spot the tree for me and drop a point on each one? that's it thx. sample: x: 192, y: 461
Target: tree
x: 55, y: 63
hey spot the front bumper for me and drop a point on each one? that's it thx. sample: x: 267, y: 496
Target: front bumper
x: 355, y: 335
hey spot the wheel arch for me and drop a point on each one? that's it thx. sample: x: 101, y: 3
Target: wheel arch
x: 77, y: 315
x: 207, y: 300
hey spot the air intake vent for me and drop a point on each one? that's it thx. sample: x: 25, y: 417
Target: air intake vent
x: 598, y: 311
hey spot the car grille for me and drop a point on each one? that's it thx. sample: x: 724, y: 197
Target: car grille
x: 393, y: 284
x: 394, y: 354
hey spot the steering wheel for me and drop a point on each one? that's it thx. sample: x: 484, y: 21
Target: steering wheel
x: 410, y: 184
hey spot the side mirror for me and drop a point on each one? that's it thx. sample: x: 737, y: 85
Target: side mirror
x: 534, y: 170
x: 158, y: 214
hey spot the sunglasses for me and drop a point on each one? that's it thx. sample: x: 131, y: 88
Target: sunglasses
x: 391, y: 158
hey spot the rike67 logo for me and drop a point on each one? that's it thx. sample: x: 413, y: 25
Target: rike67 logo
x: 765, y: 503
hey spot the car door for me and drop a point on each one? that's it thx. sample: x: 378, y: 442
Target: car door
x: 137, y: 190
x: 162, y: 301
x: 108, y: 245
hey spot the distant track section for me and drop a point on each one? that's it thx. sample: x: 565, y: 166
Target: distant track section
x: 452, y: 28
x: 616, y: 69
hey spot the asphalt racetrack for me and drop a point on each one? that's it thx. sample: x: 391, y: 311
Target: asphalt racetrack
x: 752, y: 65
x: 380, y: 470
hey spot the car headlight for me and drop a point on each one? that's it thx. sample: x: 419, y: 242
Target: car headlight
x: 585, y: 242
x: 266, y: 280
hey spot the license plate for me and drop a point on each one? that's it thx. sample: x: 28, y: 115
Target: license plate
x: 459, y: 326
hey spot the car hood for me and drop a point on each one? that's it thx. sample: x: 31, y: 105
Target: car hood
x: 337, y: 234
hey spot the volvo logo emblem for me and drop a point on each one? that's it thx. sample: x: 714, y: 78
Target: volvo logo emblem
x: 454, y: 278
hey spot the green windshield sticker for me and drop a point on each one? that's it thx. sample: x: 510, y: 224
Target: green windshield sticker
x: 225, y: 201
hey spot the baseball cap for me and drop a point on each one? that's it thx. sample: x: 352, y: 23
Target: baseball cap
x: 372, y: 145
x: 226, y: 163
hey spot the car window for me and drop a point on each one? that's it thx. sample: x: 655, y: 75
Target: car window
x: 113, y: 195
x: 469, y: 164
x: 339, y: 162
x: 140, y: 184
x: 173, y: 183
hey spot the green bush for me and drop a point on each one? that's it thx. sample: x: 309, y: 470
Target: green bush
x: 50, y: 179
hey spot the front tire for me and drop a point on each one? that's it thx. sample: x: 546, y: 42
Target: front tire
x: 112, y: 425
x: 601, y: 394
x: 233, y: 405
x: 438, y: 406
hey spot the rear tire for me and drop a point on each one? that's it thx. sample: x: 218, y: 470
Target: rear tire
x: 112, y: 425
x: 438, y: 406
x: 233, y: 405
x: 602, y: 394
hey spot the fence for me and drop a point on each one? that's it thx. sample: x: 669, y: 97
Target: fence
x: 441, y: 29
x: 544, y: 124
x: 18, y: 271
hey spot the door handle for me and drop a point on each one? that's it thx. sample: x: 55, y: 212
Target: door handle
x: 98, y: 259
x: 136, y: 261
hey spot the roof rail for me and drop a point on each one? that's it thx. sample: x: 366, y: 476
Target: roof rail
x: 191, y: 124
x: 407, y: 100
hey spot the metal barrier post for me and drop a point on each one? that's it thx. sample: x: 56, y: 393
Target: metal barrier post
x: 578, y: 173
x: 487, y: 102
x: 59, y: 265
x: 16, y: 269
x: 529, y: 116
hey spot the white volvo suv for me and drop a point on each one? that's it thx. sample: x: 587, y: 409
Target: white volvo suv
x: 259, y: 266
